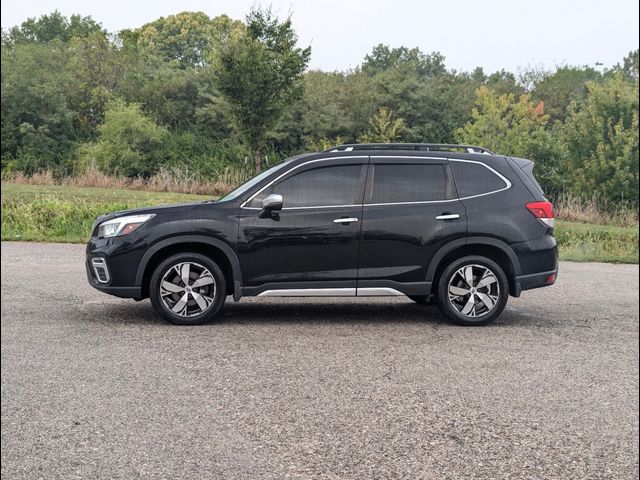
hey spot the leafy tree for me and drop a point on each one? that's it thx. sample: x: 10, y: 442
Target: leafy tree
x: 630, y: 65
x: 186, y: 39
x: 52, y: 27
x: 128, y: 142
x: 514, y: 127
x: 324, y: 143
x: 384, y: 58
x: 563, y: 87
x: 258, y: 71
x: 503, y: 82
x: 37, y: 123
x: 324, y: 115
x: 601, y: 142
x: 98, y: 67
x: 383, y: 128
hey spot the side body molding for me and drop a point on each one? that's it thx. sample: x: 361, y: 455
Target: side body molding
x: 214, y: 242
x: 449, y: 247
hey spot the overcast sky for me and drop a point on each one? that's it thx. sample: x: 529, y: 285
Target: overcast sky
x: 491, y: 33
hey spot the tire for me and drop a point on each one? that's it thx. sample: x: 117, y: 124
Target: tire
x: 422, y: 299
x: 168, y: 290
x: 488, y: 300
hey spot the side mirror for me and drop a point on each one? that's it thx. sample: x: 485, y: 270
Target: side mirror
x: 272, y: 202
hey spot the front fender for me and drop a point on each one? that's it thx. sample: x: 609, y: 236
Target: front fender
x: 202, y: 239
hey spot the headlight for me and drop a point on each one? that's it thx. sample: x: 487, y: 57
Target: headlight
x: 122, y: 225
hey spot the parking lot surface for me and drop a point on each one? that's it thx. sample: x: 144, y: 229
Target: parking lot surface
x: 98, y: 387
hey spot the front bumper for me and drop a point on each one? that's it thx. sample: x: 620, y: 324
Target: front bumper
x: 118, y: 260
x: 106, y: 287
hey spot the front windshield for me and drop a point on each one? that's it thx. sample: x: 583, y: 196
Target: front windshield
x: 235, y: 193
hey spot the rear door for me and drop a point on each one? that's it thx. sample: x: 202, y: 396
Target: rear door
x: 410, y: 211
x: 312, y: 243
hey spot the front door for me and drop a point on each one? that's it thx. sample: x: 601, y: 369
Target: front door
x: 410, y: 211
x: 311, y: 245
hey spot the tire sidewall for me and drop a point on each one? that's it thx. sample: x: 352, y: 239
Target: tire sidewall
x: 443, y: 294
x: 165, y: 265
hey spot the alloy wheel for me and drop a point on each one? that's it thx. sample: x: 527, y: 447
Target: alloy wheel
x: 187, y: 289
x: 473, y: 290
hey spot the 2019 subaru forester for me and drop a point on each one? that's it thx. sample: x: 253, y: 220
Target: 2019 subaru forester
x: 454, y: 223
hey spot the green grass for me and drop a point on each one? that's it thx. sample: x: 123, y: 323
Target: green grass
x: 93, y: 196
x: 66, y: 214
x: 586, y: 242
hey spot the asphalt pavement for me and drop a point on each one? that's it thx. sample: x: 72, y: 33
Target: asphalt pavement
x: 99, y: 387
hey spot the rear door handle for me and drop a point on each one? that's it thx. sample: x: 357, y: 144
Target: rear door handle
x: 448, y: 216
x: 345, y: 220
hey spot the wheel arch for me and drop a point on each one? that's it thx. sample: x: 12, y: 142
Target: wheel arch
x: 216, y: 249
x: 489, y: 247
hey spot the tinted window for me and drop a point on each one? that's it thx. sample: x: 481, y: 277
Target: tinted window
x: 318, y: 187
x: 475, y: 179
x: 410, y: 183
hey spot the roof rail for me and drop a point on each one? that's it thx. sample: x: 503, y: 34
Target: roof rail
x: 424, y: 147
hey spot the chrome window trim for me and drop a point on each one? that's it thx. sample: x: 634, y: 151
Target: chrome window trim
x: 508, y: 184
x: 308, y: 208
x: 411, y: 203
x: 291, y: 170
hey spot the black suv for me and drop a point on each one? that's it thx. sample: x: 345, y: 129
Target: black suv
x: 454, y: 223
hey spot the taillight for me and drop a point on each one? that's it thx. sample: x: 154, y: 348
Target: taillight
x: 543, y: 211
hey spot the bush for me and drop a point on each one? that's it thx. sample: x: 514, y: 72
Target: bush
x: 601, y: 143
x: 129, y: 143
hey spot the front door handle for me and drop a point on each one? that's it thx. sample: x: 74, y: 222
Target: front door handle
x: 448, y: 216
x: 345, y: 220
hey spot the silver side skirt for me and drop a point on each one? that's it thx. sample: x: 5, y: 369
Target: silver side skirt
x: 379, y: 292
x: 332, y: 292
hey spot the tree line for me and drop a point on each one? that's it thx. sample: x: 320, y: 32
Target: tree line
x: 204, y: 94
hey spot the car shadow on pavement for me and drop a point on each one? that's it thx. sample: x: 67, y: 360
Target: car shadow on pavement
x: 295, y: 312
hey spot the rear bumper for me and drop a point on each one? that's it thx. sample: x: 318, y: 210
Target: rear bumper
x: 538, y: 264
x: 535, y: 280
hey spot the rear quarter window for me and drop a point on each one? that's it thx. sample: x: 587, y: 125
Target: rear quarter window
x: 475, y: 179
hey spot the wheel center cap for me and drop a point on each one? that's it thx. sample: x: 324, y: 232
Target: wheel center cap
x: 473, y: 290
x: 188, y: 289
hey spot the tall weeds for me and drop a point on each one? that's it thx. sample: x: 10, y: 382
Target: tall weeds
x: 574, y: 209
x: 166, y: 180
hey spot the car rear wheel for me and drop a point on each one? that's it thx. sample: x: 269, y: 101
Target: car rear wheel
x: 473, y: 290
x: 188, y: 289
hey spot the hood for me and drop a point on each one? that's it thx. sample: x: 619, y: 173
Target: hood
x: 158, y: 209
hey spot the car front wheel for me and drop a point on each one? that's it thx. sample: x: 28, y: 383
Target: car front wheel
x: 188, y: 289
x: 473, y: 290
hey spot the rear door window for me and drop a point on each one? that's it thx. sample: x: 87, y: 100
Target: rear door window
x: 407, y: 183
x: 475, y: 179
